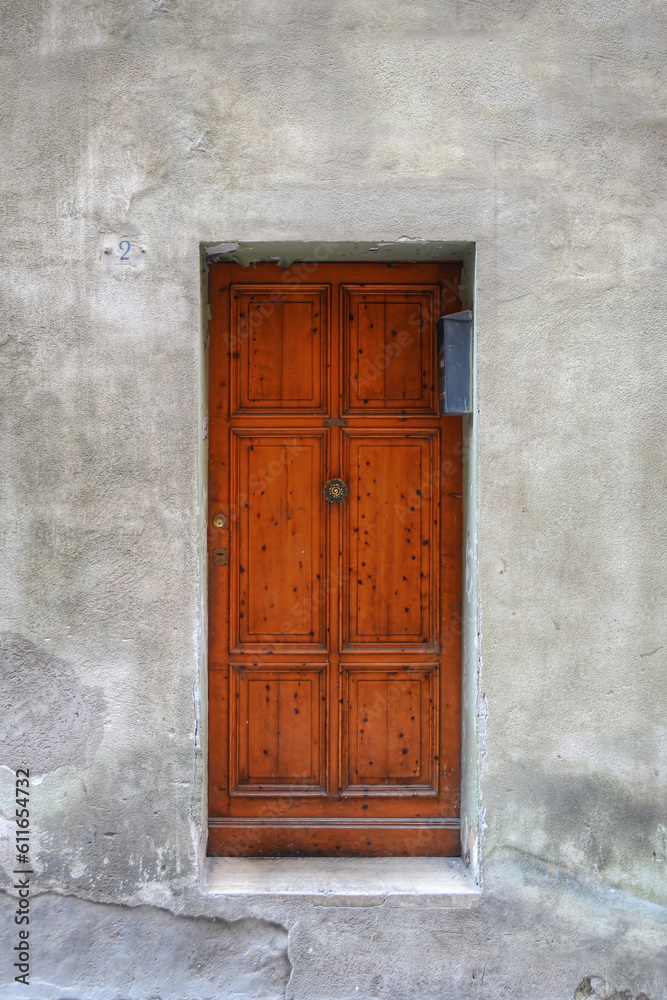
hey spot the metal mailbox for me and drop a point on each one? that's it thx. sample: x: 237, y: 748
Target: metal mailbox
x: 455, y: 363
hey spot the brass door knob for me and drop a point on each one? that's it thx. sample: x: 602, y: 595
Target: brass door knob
x: 335, y: 490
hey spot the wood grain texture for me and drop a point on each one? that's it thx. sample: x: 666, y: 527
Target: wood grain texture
x: 390, y: 719
x: 388, y: 353
x: 390, y: 539
x: 277, y: 732
x: 334, y: 638
x: 280, y: 348
x: 278, y: 550
x: 349, y: 839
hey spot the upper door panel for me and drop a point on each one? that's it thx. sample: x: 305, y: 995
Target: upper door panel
x: 279, y: 356
x: 389, y: 348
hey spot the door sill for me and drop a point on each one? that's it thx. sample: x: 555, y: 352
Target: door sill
x: 443, y: 882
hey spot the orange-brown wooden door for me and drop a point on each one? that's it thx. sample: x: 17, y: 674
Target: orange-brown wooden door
x: 334, y: 661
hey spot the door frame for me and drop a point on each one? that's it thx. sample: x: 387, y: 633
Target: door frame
x: 304, y: 256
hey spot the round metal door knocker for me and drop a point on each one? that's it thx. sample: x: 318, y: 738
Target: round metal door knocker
x: 335, y: 490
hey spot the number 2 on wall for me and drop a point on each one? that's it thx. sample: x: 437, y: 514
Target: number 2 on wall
x: 128, y: 245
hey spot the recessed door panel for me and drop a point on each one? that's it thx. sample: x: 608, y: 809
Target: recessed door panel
x: 278, y: 547
x: 389, y: 356
x: 390, y: 539
x: 280, y: 345
x: 277, y: 729
x: 389, y: 729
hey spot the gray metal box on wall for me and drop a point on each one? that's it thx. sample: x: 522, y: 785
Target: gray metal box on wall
x: 455, y: 363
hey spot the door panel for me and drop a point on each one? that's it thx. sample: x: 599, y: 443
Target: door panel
x: 280, y: 340
x: 334, y: 636
x: 277, y: 734
x: 390, y: 363
x: 390, y: 539
x: 278, y: 553
x: 390, y: 721
x: 312, y: 837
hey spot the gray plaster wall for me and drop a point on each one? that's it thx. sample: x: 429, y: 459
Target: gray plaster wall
x: 533, y: 129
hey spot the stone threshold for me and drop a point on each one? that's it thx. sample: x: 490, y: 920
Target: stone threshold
x: 345, y: 881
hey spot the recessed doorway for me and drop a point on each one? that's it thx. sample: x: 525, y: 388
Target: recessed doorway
x: 335, y: 550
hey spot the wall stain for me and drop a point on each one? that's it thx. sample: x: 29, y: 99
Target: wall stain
x: 586, y: 991
x: 111, y: 950
x: 50, y: 717
x: 596, y: 824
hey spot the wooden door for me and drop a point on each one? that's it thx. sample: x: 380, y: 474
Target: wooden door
x: 334, y: 681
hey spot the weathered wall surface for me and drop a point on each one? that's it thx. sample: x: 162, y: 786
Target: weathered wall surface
x: 534, y: 129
